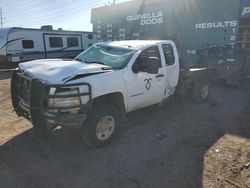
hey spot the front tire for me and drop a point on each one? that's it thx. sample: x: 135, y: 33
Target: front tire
x: 102, y: 126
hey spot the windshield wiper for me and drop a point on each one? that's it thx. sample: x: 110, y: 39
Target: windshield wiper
x: 101, y: 63
x: 89, y: 62
x: 79, y: 59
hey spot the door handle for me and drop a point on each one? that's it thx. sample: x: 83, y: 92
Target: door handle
x: 159, y: 76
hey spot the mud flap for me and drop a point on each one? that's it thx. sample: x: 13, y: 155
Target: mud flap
x: 234, y: 79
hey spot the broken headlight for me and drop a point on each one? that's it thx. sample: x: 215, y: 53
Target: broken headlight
x: 63, y: 98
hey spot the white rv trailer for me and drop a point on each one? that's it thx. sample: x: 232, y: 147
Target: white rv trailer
x: 24, y: 44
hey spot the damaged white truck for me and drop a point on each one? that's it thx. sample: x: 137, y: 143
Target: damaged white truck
x: 100, y: 86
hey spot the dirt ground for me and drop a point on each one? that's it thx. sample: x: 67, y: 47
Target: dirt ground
x: 180, y: 144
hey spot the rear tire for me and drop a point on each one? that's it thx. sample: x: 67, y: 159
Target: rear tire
x: 102, y: 126
x: 201, y: 91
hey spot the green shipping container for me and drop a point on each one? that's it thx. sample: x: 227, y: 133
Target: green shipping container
x: 191, y: 23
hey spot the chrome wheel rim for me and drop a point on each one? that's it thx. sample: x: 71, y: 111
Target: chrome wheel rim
x: 105, y: 128
x: 204, y: 91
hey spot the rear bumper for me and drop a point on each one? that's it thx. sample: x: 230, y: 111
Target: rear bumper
x: 30, y: 100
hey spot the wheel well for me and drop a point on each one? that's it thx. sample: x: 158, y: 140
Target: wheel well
x: 116, y: 99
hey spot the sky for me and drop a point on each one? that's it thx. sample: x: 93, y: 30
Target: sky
x: 67, y: 14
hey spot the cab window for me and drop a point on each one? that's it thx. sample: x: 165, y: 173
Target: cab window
x: 141, y: 62
x: 168, y: 54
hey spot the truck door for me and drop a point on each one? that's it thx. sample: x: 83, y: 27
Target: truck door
x: 144, y: 88
x: 170, y: 58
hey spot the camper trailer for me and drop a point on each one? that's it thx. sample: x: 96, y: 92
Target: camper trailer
x: 24, y: 44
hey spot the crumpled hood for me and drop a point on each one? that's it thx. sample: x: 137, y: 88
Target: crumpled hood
x: 59, y: 71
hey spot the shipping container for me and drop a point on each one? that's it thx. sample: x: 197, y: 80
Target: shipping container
x: 192, y: 24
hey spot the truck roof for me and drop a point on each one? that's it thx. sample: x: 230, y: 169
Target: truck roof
x: 137, y: 44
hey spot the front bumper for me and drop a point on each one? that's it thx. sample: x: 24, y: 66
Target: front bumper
x: 30, y: 100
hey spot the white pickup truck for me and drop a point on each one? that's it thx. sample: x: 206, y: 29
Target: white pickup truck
x: 100, y: 86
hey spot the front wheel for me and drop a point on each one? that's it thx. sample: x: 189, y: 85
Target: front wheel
x: 102, y: 125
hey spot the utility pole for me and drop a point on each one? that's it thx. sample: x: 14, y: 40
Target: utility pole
x: 1, y: 17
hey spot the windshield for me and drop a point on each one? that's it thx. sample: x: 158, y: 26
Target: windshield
x: 115, y: 57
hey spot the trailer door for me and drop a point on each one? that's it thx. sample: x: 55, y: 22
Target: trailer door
x: 62, y: 45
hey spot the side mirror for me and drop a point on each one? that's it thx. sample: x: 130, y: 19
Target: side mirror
x: 152, y: 65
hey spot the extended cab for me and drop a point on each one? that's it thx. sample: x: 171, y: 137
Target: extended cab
x: 101, y: 85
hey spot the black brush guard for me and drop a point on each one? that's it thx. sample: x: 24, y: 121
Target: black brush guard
x: 30, y: 99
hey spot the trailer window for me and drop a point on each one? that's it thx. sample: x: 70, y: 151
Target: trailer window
x: 90, y: 36
x: 168, y: 54
x: 27, y: 44
x: 55, y: 42
x: 72, y: 42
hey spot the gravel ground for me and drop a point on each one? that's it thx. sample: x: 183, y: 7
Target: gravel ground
x: 180, y: 144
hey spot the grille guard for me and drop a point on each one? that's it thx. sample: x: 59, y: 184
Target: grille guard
x: 38, y: 96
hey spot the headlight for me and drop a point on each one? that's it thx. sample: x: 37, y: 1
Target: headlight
x: 65, y: 101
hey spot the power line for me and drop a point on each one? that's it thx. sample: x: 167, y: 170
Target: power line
x: 60, y: 15
x: 55, y: 13
x: 54, y: 10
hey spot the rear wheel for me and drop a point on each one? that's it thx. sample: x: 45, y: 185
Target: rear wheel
x: 101, y: 126
x: 201, y: 91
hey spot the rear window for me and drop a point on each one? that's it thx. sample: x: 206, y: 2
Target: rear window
x: 56, y: 42
x: 168, y: 54
x: 27, y: 44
